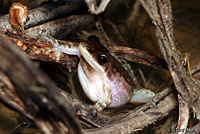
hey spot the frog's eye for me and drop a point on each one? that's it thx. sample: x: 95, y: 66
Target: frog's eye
x: 102, y: 59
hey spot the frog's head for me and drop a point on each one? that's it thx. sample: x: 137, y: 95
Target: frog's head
x: 96, y: 55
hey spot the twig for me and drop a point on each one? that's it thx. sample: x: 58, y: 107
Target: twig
x: 139, y: 56
x: 183, y: 116
x: 143, y: 116
x: 84, y: 111
x: 112, y: 32
x: 66, y: 26
x: 94, y: 9
x: 48, y: 12
x: 9, y: 97
x: 38, y: 48
x: 134, y: 14
x: 161, y: 15
x: 102, y: 30
x: 50, y: 111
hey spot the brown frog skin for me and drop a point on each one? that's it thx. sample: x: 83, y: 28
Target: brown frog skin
x: 102, y: 77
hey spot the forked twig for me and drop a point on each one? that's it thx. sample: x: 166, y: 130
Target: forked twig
x: 161, y: 14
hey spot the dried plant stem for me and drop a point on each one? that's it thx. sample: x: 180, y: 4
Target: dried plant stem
x: 161, y: 14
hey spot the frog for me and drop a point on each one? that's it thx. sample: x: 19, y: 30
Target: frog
x: 102, y: 77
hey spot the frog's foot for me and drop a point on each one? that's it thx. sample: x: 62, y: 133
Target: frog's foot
x: 92, y: 5
x: 104, y: 101
x: 56, y: 46
x: 142, y: 96
x: 102, y: 104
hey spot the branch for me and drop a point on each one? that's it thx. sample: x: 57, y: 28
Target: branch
x: 161, y: 15
x: 48, y: 12
x: 138, y: 56
x: 50, y: 110
x: 62, y: 28
x: 145, y: 115
x: 39, y: 48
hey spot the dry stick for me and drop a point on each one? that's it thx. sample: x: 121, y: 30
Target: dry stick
x: 59, y: 29
x: 132, y: 18
x: 137, y: 119
x: 133, y: 115
x: 139, y: 56
x: 161, y: 15
x: 195, y: 69
x: 48, y: 12
x: 85, y: 112
x: 183, y: 116
x: 50, y: 111
x: 52, y: 11
x: 37, y: 3
x: 101, y: 29
x: 39, y: 48
x: 9, y: 97
x: 112, y: 31
x: 94, y: 9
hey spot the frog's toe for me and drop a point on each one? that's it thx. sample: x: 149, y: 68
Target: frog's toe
x: 142, y: 96
x: 100, y: 105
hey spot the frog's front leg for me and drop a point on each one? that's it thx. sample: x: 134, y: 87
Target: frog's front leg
x: 105, y: 100
x: 70, y: 49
